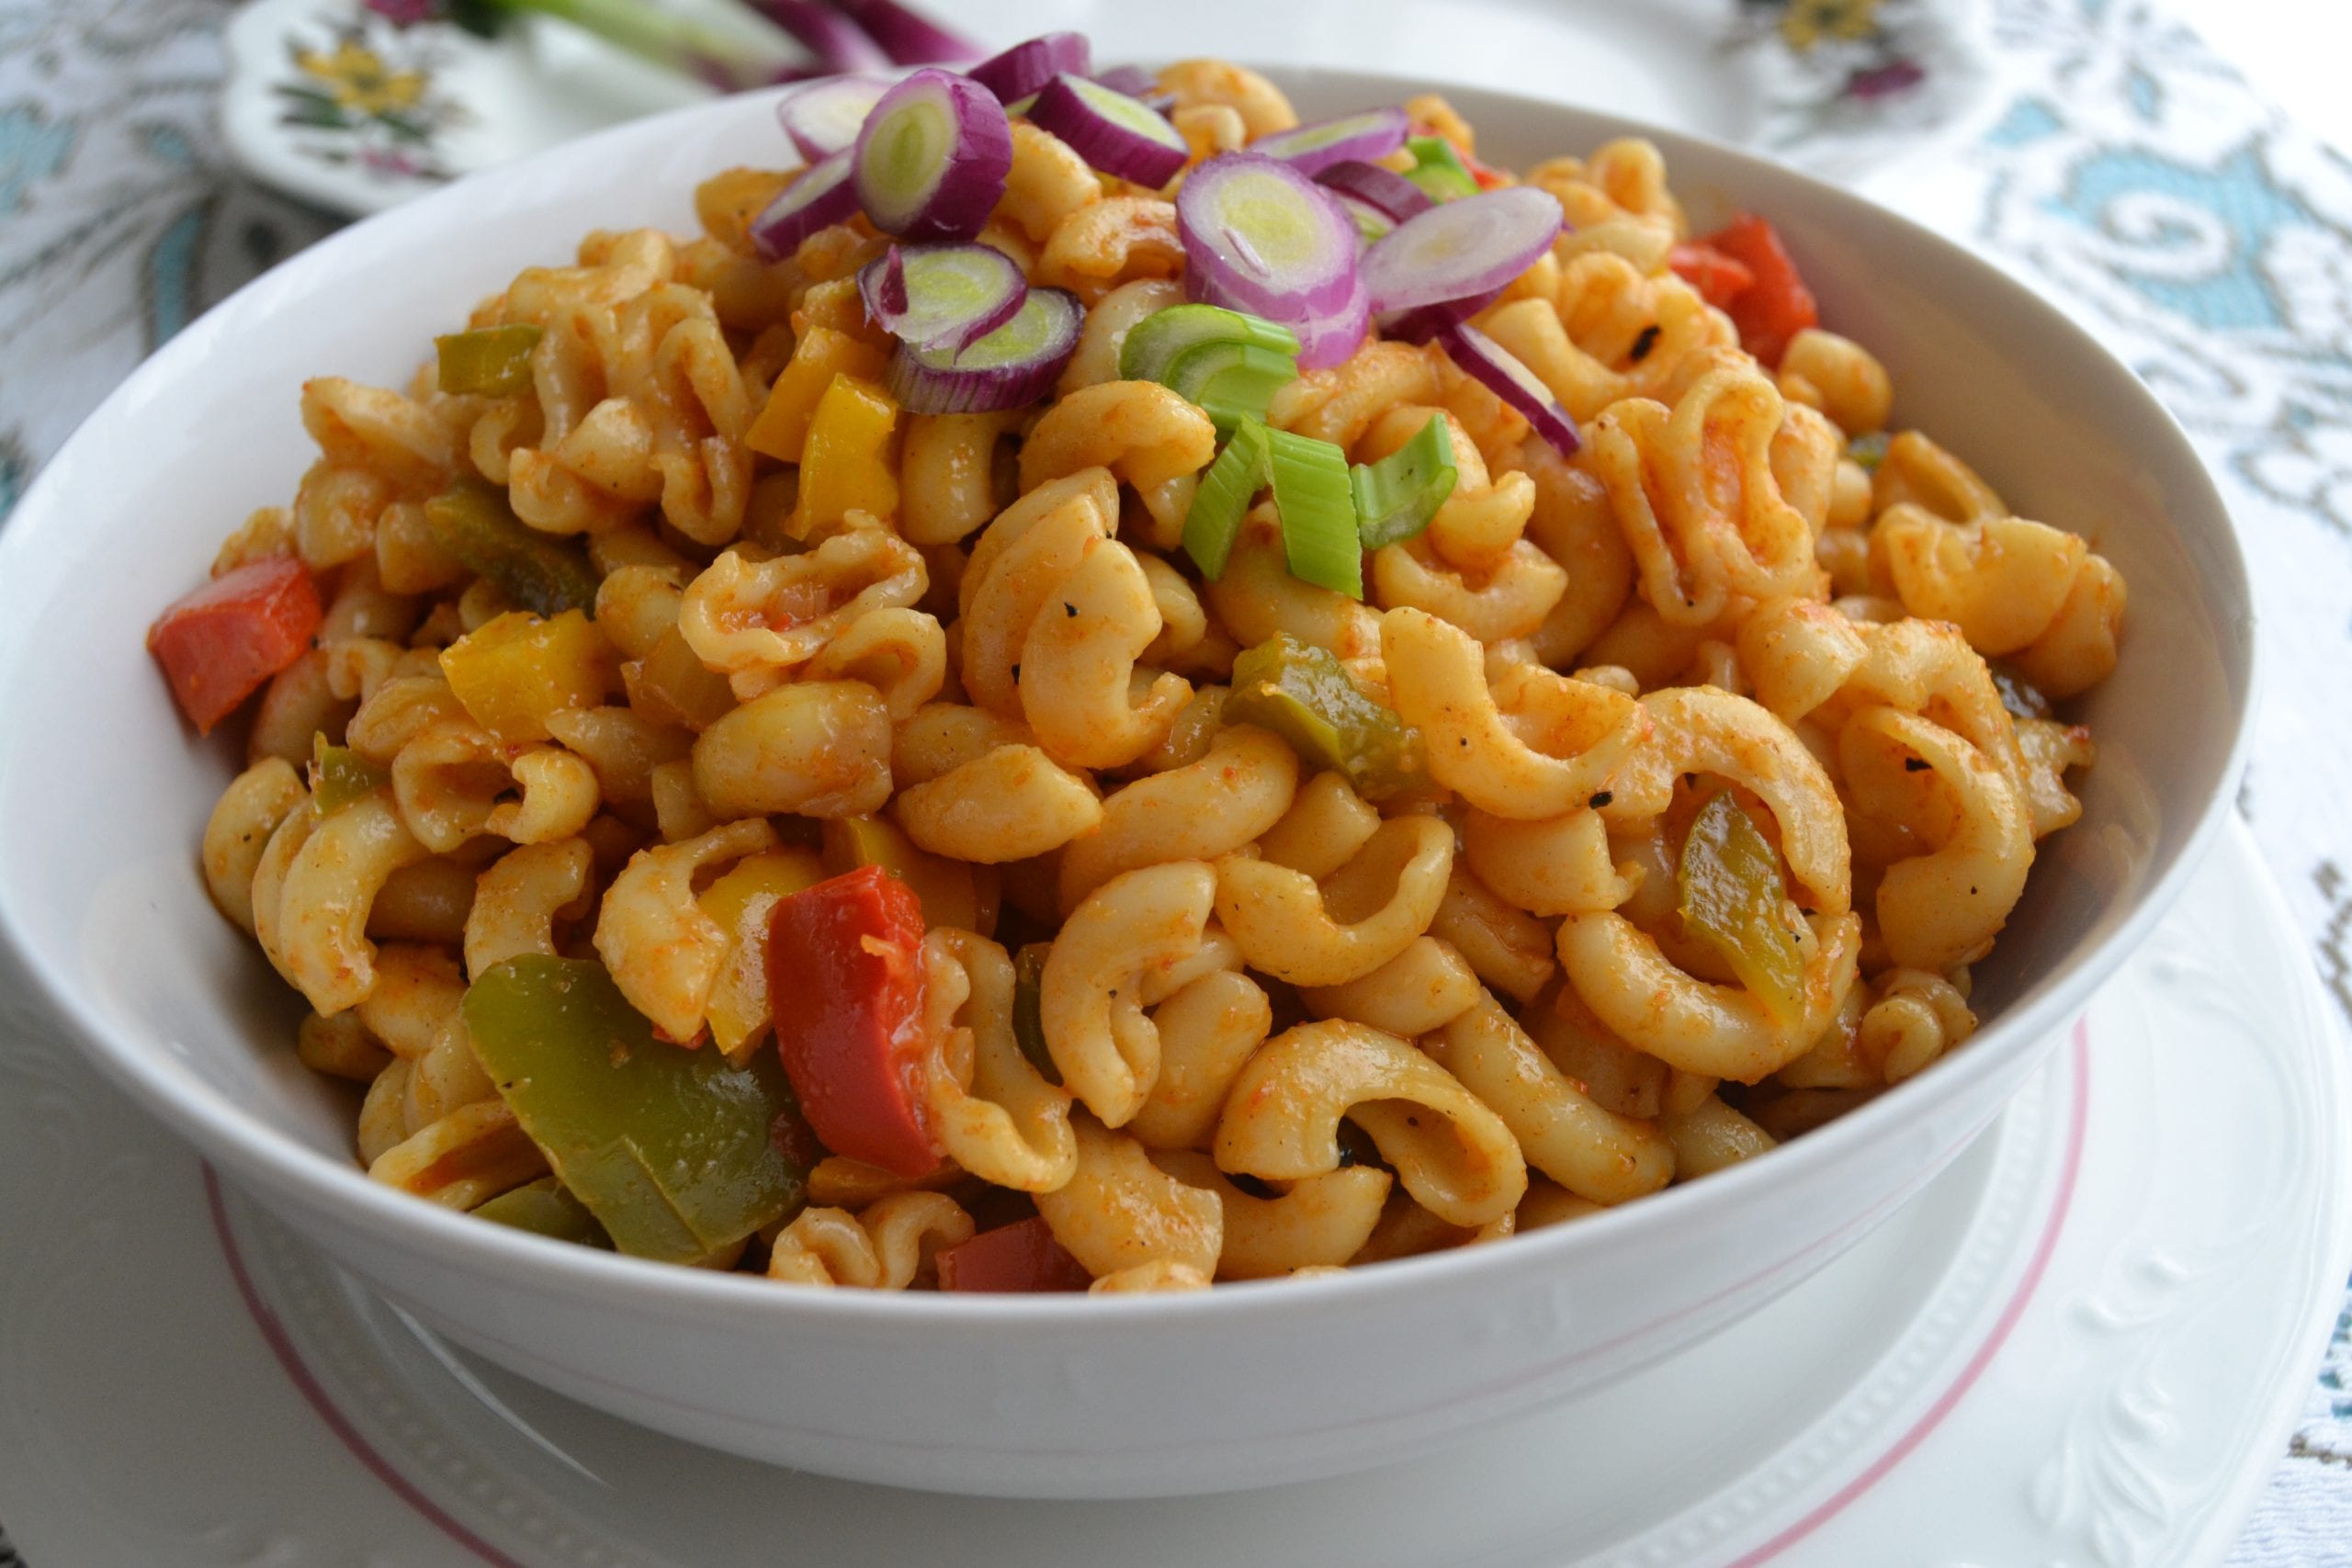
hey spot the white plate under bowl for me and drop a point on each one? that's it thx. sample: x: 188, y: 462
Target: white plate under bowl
x: 2082, y: 1344
x: 1035, y: 1397
x: 1716, y: 67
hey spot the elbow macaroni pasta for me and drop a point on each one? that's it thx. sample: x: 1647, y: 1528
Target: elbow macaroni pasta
x: 1267, y: 1020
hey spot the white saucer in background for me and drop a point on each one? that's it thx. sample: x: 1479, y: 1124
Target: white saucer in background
x: 2083, y: 1343
x: 357, y: 132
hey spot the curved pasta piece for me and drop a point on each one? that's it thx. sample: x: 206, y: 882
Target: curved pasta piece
x: 1207, y: 1030
x: 1203, y: 809
x: 311, y: 899
x: 1157, y: 1278
x: 1712, y: 1137
x: 249, y: 812
x: 1119, y: 1211
x: 1593, y: 1152
x: 1424, y: 988
x: 663, y: 951
x: 1119, y: 240
x: 517, y: 900
x: 1281, y: 1120
x: 1018, y: 566
x: 1504, y: 945
x: 1720, y: 1032
x: 887, y: 1246
x: 743, y: 616
x: 1007, y: 804
x: 1356, y: 919
x: 1437, y: 682
x: 901, y: 653
x: 1945, y: 907
x: 1914, y: 1017
x: 1915, y: 469
x: 2000, y: 580
x: 464, y: 1159
x: 450, y: 782
x: 1100, y: 341
x: 1321, y: 1223
x: 1572, y: 522
x: 1078, y: 664
x: 1143, y: 433
x: 1089, y: 997
x: 1695, y: 494
x: 1258, y: 597
x: 989, y: 1108
x: 1508, y: 599
x: 1560, y: 866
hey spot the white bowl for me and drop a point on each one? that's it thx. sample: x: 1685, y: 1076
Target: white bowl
x: 104, y: 796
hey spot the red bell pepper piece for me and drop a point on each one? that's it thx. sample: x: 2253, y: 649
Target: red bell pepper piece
x: 1020, y: 1256
x: 1717, y: 278
x: 845, y: 980
x: 1777, y: 306
x: 219, y: 643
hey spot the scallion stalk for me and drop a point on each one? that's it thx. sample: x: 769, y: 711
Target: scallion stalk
x: 1318, y: 511
x: 1397, y: 497
x: 1224, y: 497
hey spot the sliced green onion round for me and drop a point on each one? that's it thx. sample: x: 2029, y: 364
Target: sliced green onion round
x: 1156, y: 343
x: 1231, y: 381
x: 1224, y: 497
x: 1011, y: 366
x: 1438, y: 168
x: 1397, y: 497
x: 1318, y: 511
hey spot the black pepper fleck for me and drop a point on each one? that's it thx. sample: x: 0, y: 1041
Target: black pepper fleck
x: 1914, y: 765
x: 1645, y: 342
x: 1069, y: 609
x: 1599, y: 800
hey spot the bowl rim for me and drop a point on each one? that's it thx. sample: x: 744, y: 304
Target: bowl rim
x: 276, y: 1167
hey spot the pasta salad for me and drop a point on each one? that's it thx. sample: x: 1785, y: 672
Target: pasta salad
x: 1097, y: 689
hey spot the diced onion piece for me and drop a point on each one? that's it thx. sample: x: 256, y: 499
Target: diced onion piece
x: 1461, y: 249
x: 1156, y: 343
x: 942, y: 296
x: 823, y: 196
x: 1384, y: 191
x: 1120, y: 136
x: 1013, y: 366
x: 1439, y: 169
x: 1020, y: 71
x: 1397, y: 497
x: 932, y: 158
x: 1501, y: 372
x: 1318, y: 511
x: 1224, y: 497
x: 822, y: 119
x: 1310, y: 149
x: 1261, y: 237
x: 908, y: 39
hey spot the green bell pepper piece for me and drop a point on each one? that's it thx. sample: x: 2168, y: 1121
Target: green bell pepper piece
x: 1305, y: 696
x: 547, y: 1207
x: 542, y: 575
x: 494, y: 361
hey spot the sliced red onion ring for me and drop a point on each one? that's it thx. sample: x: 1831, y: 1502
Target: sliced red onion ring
x: 1385, y: 191
x: 1260, y: 236
x: 838, y: 43
x: 823, y: 196
x: 822, y: 119
x: 1119, y: 135
x: 906, y: 37
x: 1310, y: 149
x: 1013, y: 366
x: 1455, y: 251
x: 1132, y: 80
x: 931, y: 158
x: 1501, y: 373
x: 1029, y: 65
x: 942, y: 296
x: 1423, y: 323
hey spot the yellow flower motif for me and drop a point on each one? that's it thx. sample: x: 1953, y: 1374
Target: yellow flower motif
x: 360, y: 81
x: 1806, y: 22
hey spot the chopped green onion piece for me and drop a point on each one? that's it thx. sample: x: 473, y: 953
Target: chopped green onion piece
x: 1231, y: 381
x: 1397, y: 497
x: 492, y: 361
x: 1733, y: 898
x: 543, y: 575
x: 1155, y: 343
x: 1028, y: 1008
x: 1223, y: 496
x: 1318, y: 511
x: 547, y: 1207
x: 1438, y: 168
x: 1867, y: 450
x: 340, y: 776
x: 1305, y: 694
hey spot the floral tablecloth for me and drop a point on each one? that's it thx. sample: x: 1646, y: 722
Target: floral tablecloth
x: 2130, y: 172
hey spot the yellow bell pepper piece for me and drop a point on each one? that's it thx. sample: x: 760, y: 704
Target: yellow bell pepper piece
x: 740, y: 901
x: 511, y: 672
x: 951, y: 893
x: 672, y: 685
x: 851, y: 462
x: 782, y: 430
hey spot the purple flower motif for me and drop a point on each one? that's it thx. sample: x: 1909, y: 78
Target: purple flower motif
x: 1884, y: 81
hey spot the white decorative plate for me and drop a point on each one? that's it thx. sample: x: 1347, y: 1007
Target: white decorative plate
x: 2083, y: 1344
x: 335, y: 106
